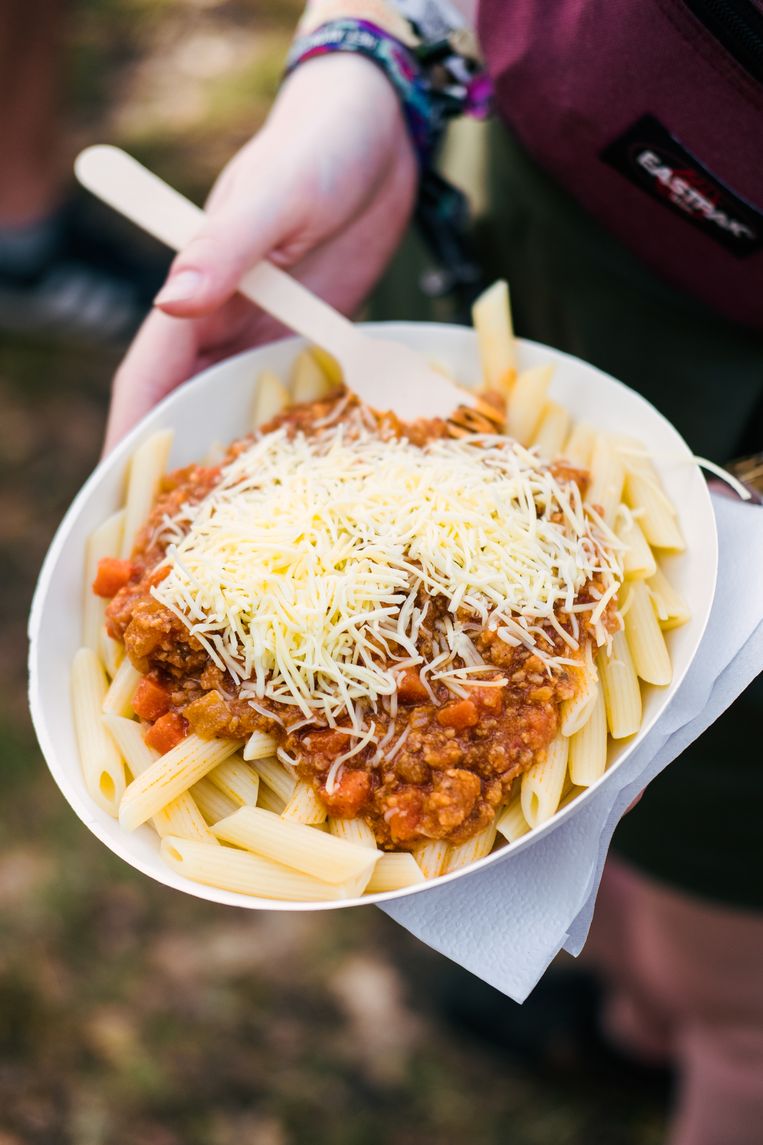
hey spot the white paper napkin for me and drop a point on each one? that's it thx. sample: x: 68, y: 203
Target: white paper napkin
x: 505, y: 924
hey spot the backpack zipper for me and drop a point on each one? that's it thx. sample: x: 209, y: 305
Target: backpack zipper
x: 738, y: 25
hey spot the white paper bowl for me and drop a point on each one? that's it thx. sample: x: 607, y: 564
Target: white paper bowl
x: 216, y: 406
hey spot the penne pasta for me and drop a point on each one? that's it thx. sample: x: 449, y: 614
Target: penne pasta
x: 579, y: 445
x: 671, y: 608
x: 236, y: 780
x: 258, y: 746
x: 431, y: 857
x: 270, y: 398
x: 636, y: 459
x: 575, y: 712
x: 118, y: 699
x: 329, y: 365
x: 171, y: 775
x: 275, y: 776
x: 543, y: 783
x: 638, y: 558
x: 308, y: 381
x: 357, y: 887
x: 234, y: 870
x: 622, y: 695
x: 147, y: 468
x: 588, y: 746
x: 634, y: 454
x: 104, y: 541
x: 102, y: 765
x: 353, y: 831
x: 181, y: 817
x: 462, y: 854
x: 111, y: 653
x: 393, y: 872
x: 212, y: 803
x: 269, y: 800
x: 569, y: 794
x: 607, y: 477
x: 511, y: 822
x: 128, y: 736
x: 491, y: 315
x: 552, y: 430
x: 527, y: 399
x: 303, y: 805
x: 315, y: 853
x: 657, y: 516
x: 649, y: 651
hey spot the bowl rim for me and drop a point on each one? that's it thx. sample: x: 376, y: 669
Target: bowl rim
x: 121, y: 846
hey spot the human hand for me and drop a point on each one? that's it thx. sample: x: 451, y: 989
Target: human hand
x: 326, y: 188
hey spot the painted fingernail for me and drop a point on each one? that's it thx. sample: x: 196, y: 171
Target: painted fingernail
x: 181, y: 287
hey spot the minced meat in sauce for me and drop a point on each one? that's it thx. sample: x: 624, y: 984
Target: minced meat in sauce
x: 449, y: 764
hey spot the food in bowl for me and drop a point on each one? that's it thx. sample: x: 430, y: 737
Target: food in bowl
x: 350, y: 641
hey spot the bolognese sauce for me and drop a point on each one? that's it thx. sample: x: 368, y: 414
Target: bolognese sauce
x: 435, y: 754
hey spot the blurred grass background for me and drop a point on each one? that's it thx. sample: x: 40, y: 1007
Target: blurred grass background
x: 129, y: 1013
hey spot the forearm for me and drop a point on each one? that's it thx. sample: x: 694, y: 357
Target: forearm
x: 339, y: 89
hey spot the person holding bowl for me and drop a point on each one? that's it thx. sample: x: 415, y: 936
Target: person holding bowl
x: 628, y: 192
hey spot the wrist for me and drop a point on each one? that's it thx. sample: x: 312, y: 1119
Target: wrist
x: 347, y: 101
x: 429, y: 57
x: 350, y: 81
x: 392, y: 58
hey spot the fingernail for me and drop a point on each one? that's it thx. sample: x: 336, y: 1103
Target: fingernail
x: 181, y: 287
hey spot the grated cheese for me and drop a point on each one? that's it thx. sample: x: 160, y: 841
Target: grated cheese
x: 309, y: 570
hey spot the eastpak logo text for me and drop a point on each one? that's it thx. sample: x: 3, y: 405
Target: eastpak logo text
x: 649, y: 156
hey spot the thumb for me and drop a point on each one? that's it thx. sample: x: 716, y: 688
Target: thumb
x: 207, y: 272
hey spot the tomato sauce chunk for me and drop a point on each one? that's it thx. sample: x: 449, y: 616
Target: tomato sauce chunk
x: 167, y: 732
x: 461, y: 714
x: 350, y: 793
x: 112, y: 575
x: 151, y: 699
x: 410, y: 689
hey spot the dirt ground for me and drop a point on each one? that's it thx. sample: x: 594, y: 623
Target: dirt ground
x: 129, y: 1013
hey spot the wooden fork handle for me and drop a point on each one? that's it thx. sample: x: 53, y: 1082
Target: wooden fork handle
x: 298, y: 308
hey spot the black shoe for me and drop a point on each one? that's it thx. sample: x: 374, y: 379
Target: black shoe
x: 93, y: 278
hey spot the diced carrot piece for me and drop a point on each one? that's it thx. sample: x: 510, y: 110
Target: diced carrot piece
x: 159, y: 574
x: 410, y: 689
x: 151, y: 699
x: 112, y: 575
x: 459, y: 715
x: 405, y: 815
x: 351, y: 792
x: 167, y: 732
